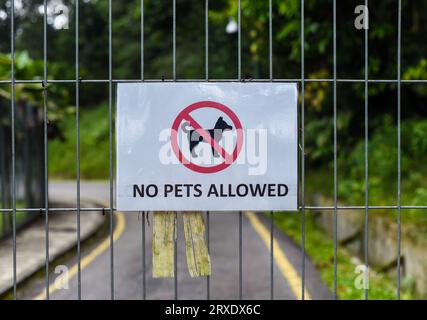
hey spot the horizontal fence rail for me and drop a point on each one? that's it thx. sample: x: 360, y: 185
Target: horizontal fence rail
x: 338, y: 80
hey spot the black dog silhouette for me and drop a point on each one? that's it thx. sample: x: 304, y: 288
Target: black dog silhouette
x: 194, y: 138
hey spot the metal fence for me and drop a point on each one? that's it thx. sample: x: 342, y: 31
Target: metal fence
x: 302, y: 81
x: 29, y: 163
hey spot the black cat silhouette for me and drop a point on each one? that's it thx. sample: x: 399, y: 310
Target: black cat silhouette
x: 194, y: 138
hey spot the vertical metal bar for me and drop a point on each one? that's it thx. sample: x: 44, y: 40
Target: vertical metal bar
x: 239, y: 75
x: 399, y: 37
x: 79, y: 269
x: 206, y: 40
x: 144, y: 285
x: 174, y: 40
x: 240, y: 257
x: 335, y: 146
x: 270, y: 61
x: 208, y: 278
x: 46, y: 181
x: 5, y: 182
x: 366, y: 159
x: 12, y: 52
x: 110, y: 132
x: 4, y: 198
x: 302, y: 155
x: 175, y: 257
x: 270, y: 38
x: 271, y: 255
x: 142, y: 40
x: 239, y: 42
x: 176, y: 213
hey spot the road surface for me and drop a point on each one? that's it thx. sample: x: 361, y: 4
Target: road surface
x: 224, y: 251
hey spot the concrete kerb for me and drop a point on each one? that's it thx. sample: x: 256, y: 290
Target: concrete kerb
x: 30, y: 242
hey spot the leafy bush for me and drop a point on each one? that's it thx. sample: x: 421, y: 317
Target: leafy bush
x: 383, y: 163
x: 94, y: 143
x: 26, y: 68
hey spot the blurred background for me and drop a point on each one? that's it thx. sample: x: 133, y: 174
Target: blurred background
x: 223, y: 64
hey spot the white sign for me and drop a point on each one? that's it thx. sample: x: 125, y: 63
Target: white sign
x: 207, y: 146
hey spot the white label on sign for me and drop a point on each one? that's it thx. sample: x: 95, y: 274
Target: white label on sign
x: 207, y: 146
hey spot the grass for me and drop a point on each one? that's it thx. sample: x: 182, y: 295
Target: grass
x: 94, y: 146
x: 320, y: 250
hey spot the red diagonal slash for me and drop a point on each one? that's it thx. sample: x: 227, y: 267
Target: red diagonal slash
x: 207, y: 137
x: 185, y: 115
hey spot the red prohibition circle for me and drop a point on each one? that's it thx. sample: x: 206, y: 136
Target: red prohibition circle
x: 228, y: 158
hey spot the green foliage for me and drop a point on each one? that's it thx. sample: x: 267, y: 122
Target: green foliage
x: 94, y: 143
x: 383, y: 161
x: 320, y: 250
x: 190, y: 54
x: 27, y: 68
x: 418, y: 71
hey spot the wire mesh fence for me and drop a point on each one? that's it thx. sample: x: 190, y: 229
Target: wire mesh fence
x: 11, y: 162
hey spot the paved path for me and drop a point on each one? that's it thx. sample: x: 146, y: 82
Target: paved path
x: 224, y: 282
x: 31, y: 244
